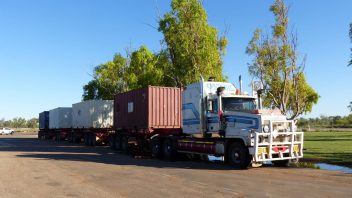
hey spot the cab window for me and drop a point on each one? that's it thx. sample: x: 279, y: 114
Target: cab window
x: 238, y: 104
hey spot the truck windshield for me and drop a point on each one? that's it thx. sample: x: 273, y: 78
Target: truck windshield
x: 238, y: 104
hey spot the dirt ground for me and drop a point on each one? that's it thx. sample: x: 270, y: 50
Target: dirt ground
x: 38, y: 168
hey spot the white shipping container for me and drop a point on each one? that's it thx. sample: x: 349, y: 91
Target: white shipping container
x: 60, y: 118
x: 93, y: 114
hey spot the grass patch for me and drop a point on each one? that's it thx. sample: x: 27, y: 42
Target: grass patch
x: 328, y: 147
x: 305, y: 165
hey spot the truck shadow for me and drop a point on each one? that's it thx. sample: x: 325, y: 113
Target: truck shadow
x: 51, y: 150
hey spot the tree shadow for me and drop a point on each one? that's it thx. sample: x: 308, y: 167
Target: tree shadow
x: 50, y: 150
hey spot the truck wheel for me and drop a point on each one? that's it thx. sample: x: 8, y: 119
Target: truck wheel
x: 124, y: 144
x: 168, y: 150
x: 156, y: 150
x: 118, y: 143
x: 238, y: 155
x: 281, y: 163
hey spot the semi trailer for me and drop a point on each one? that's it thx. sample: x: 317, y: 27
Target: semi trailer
x: 92, y: 122
x: 55, y: 124
x: 206, y: 118
x: 43, y: 124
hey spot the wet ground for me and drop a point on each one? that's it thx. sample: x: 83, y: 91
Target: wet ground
x: 325, y: 166
x: 37, y: 168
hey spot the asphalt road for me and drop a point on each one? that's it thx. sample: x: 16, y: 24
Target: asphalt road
x: 38, y: 168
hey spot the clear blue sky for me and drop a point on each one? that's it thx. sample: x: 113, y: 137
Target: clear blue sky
x: 49, y: 48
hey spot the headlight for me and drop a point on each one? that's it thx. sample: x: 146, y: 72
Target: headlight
x: 266, y: 129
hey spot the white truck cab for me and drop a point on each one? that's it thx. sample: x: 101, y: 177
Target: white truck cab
x: 219, y: 112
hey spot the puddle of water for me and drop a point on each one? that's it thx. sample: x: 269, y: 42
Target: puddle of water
x: 215, y: 159
x: 325, y: 166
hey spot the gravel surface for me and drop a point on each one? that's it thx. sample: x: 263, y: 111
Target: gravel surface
x: 41, y: 168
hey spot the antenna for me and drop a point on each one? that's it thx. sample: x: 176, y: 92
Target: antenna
x: 240, y: 80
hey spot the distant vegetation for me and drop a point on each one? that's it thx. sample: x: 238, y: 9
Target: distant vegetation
x: 20, y: 123
x: 325, y: 122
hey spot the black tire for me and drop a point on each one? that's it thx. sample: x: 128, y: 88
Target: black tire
x: 124, y: 144
x: 169, y: 150
x: 281, y: 163
x: 112, y: 142
x: 156, y: 148
x: 238, y: 155
x: 118, y: 142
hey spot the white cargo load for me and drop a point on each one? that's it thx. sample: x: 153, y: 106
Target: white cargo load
x: 93, y: 114
x: 60, y: 118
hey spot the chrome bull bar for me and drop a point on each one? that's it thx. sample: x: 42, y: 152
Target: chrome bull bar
x: 278, y: 146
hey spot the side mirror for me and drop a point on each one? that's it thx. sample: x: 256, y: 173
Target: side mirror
x: 210, y: 105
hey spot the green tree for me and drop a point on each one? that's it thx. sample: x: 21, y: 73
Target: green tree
x: 8, y: 123
x: 276, y: 65
x: 108, y: 80
x: 350, y: 106
x: 33, y: 123
x: 18, y: 122
x: 2, y: 122
x: 92, y: 90
x: 193, y: 46
x: 144, y: 69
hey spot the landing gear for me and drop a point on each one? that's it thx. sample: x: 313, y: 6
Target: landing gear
x: 238, y: 155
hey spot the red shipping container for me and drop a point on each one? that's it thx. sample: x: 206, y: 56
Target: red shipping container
x: 148, y: 108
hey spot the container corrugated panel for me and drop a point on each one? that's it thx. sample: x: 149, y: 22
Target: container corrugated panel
x: 93, y: 114
x: 60, y: 118
x: 44, y: 120
x: 151, y: 107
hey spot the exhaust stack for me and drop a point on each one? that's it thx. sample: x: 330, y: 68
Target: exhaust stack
x: 240, y: 80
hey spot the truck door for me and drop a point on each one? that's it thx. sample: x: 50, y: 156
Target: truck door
x: 213, y: 117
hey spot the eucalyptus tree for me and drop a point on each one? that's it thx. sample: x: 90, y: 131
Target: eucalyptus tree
x: 276, y: 63
x: 194, y: 47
